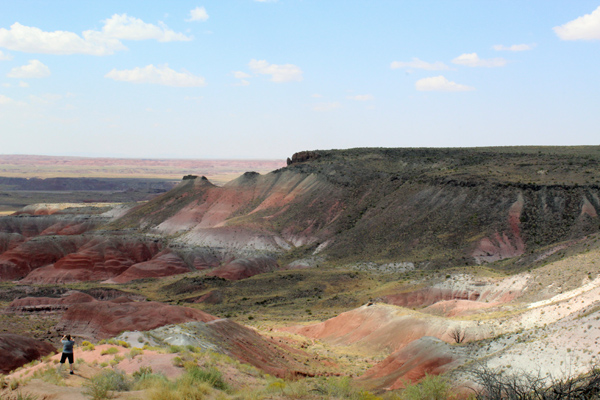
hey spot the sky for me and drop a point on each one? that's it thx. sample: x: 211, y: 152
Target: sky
x: 250, y: 79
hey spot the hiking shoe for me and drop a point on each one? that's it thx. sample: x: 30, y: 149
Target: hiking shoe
x: 72, y: 373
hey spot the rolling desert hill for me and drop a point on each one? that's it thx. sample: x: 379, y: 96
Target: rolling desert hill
x: 434, y: 207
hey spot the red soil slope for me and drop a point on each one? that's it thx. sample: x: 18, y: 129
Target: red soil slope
x: 164, y: 263
x: 17, y: 350
x: 431, y: 295
x: 37, y: 304
x: 35, y: 253
x: 104, y: 319
x: 248, y: 346
x: 243, y: 268
x: 410, y: 364
x: 101, y: 258
x: 382, y: 327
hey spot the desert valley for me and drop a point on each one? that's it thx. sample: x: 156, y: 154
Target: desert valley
x: 363, y: 273
x: 299, y: 199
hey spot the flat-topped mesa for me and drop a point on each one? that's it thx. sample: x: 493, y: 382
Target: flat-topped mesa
x: 302, y: 156
x: 194, y: 177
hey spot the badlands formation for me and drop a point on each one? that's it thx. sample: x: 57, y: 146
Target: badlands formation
x: 383, y: 265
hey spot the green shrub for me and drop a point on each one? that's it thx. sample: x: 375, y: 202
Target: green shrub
x: 134, y: 352
x: 431, y: 387
x: 149, y: 380
x: 276, y: 386
x: 87, y: 346
x: 142, y: 372
x: 178, y: 362
x: 179, y: 390
x: 211, y: 375
x: 100, y: 385
x: 123, y: 343
x: 50, y: 374
x: 13, y: 384
x: 193, y: 349
x: 175, y: 349
x: 342, y: 388
x: 19, y: 396
x: 110, y: 350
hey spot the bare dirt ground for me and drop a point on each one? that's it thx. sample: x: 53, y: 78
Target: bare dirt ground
x: 218, y: 171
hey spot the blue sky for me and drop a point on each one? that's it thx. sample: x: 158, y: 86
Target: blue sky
x: 264, y: 79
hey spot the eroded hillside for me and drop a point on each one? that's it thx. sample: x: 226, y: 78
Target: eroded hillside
x: 426, y: 206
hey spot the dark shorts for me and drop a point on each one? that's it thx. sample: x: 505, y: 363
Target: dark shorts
x: 66, y: 356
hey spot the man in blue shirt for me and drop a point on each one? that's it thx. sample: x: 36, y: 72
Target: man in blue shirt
x: 67, y: 352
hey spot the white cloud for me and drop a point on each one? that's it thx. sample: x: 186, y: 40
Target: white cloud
x: 6, y: 100
x: 361, y: 97
x: 582, y: 28
x: 242, y: 82
x: 33, y: 40
x: 419, y: 64
x: 279, y: 73
x: 240, y: 75
x: 473, y: 60
x: 23, y: 84
x: 193, y: 98
x: 327, y: 106
x: 514, y: 47
x: 5, y: 57
x: 131, y: 28
x: 162, y: 75
x: 35, y: 69
x: 440, y: 83
x: 47, y: 98
x: 198, y: 14
x: 98, y: 43
x: 316, y: 95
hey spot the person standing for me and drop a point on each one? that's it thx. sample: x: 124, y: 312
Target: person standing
x: 67, y: 353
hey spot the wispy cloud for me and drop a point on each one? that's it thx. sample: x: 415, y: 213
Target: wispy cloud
x: 321, y: 107
x: 240, y: 75
x: 161, y: 75
x: 124, y: 27
x: 440, y: 83
x: 5, y: 56
x: 419, y: 64
x: 34, y: 69
x: 473, y: 60
x: 7, y: 101
x: 47, y: 98
x: 514, y: 47
x: 98, y: 43
x: 361, y: 97
x: 198, y: 14
x: 279, y: 73
x: 4, y: 100
x: 586, y: 27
